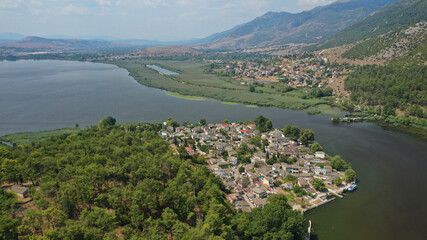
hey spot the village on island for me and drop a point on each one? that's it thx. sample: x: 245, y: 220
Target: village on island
x: 255, y: 162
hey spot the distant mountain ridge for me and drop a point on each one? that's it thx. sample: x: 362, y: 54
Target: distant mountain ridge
x: 38, y: 43
x: 274, y: 28
x: 15, y: 38
x: 166, y: 52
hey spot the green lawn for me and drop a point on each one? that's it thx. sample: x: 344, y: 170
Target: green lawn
x: 192, y: 81
x: 29, y: 137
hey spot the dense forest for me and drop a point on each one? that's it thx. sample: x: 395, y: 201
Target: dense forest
x: 393, y: 85
x: 125, y: 182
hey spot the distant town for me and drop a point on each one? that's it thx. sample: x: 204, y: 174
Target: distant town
x: 254, y: 164
x: 302, y: 70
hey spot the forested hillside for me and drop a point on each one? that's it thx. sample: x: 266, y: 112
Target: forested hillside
x: 394, y: 37
x: 392, y: 85
x: 409, y: 41
x: 391, y: 18
x: 125, y: 182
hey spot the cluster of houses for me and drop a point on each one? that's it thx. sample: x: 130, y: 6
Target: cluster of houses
x: 253, y: 180
x: 298, y: 71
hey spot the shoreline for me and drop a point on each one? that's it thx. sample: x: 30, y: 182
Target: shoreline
x: 200, y: 88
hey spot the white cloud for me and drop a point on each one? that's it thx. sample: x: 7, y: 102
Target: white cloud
x: 72, y: 9
x: 185, y: 2
x: 154, y: 3
x: 35, y: 3
x: 10, y: 3
x: 313, y: 2
x: 257, y: 4
x: 104, y: 2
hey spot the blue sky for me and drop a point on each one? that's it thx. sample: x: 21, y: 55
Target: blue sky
x: 139, y: 19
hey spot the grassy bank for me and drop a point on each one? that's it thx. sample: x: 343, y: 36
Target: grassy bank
x: 30, y: 137
x: 177, y: 95
x: 415, y: 131
x: 323, y: 109
x: 192, y: 81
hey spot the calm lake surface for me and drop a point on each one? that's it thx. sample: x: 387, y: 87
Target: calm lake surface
x: 162, y: 70
x: 391, y: 202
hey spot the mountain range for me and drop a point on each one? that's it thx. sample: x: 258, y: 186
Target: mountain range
x: 34, y: 43
x: 275, y: 28
x: 338, y: 23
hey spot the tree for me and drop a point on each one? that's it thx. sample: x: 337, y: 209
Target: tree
x: 350, y: 175
x: 107, y: 122
x: 292, y: 132
x: 416, y: 110
x: 279, y: 199
x: 378, y: 111
x: 315, y: 147
x: 270, y: 161
x: 265, y: 142
x: 202, y: 122
x: 243, y: 149
x: 338, y: 163
x: 8, y: 227
x: 307, y: 136
x: 283, y: 158
x: 225, y: 121
x: 224, y: 154
x: 274, y: 221
x: 11, y: 170
x: 241, y: 169
x: 247, y: 122
x: 277, y: 183
x: 186, y: 124
x: 338, y: 181
x: 256, y: 141
x: 98, y: 218
x: 318, y: 184
x: 292, y: 160
x: 251, y: 88
x: 263, y: 124
x: 389, y: 110
x: 171, y: 122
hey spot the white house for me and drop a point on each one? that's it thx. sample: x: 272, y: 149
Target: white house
x: 320, y: 154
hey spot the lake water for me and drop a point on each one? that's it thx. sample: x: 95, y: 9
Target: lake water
x: 391, y: 202
x: 162, y: 70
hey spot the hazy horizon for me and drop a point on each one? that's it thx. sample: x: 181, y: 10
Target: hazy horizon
x: 161, y: 20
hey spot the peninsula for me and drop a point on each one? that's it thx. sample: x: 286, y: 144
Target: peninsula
x: 255, y: 161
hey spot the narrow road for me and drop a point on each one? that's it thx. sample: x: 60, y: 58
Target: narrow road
x: 248, y: 201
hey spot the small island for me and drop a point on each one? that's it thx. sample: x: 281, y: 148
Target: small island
x: 254, y: 161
